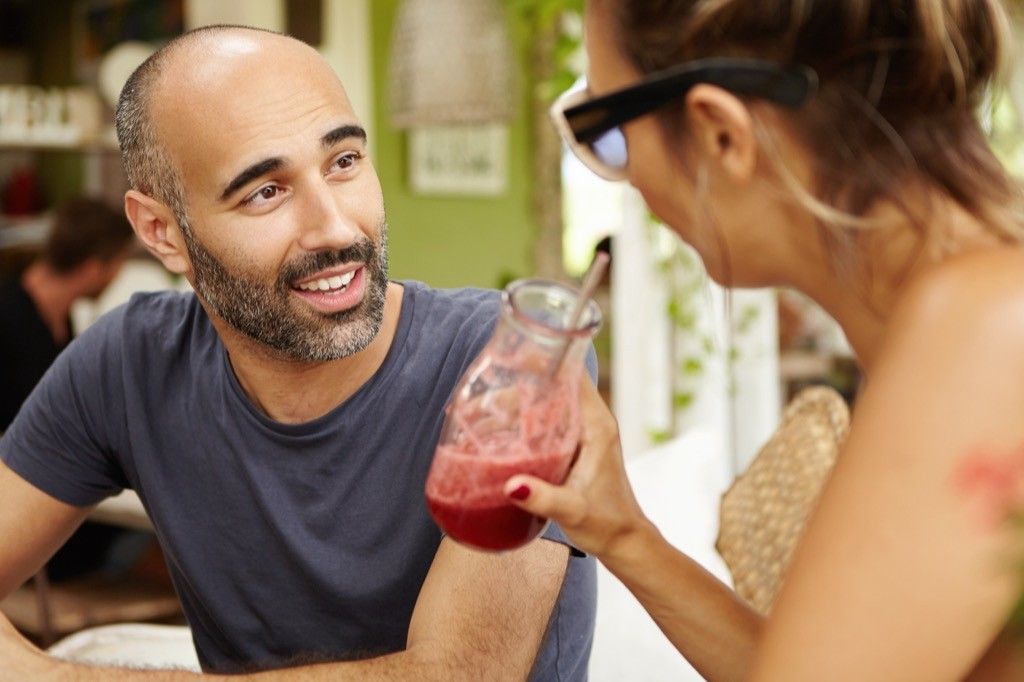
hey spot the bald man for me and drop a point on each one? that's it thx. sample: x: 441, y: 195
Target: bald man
x: 279, y: 423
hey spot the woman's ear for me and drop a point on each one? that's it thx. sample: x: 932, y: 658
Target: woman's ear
x: 723, y: 130
x: 157, y: 229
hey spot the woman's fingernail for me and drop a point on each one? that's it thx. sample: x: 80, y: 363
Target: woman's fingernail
x: 520, y: 493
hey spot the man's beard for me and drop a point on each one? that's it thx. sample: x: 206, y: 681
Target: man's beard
x: 273, y: 317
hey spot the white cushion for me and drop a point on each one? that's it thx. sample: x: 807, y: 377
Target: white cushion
x: 679, y: 485
x: 131, y: 645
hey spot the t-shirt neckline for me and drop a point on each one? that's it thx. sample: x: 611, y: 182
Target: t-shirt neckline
x: 380, y: 377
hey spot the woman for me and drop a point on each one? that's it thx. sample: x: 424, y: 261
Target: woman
x: 831, y: 146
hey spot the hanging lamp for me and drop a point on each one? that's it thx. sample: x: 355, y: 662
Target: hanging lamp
x: 451, y: 63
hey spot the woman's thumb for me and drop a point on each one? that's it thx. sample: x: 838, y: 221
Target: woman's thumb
x: 543, y: 499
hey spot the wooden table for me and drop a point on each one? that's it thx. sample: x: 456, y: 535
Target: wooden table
x: 49, y: 611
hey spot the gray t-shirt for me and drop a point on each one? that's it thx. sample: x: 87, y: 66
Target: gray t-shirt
x: 286, y: 542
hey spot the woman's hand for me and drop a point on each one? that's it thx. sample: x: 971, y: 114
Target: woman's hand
x: 703, y: 618
x: 595, y: 506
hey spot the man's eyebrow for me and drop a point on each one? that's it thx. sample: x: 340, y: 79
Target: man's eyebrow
x: 341, y: 133
x: 251, y: 173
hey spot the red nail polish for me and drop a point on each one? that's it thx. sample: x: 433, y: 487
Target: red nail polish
x: 520, y: 493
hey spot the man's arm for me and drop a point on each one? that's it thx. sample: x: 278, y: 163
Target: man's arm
x: 478, y: 616
x: 33, y: 526
x: 483, y: 616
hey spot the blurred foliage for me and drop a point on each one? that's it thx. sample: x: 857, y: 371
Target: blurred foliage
x: 1005, y: 126
x: 565, y: 17
x: 546, y: 12
x: 686, y: 283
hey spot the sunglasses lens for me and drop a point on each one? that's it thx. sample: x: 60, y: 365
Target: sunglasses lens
x: 610, y: 149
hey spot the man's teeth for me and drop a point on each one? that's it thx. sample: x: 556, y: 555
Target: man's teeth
x: 329, y: 283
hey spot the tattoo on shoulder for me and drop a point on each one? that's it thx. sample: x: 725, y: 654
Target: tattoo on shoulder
x: 994, y: 483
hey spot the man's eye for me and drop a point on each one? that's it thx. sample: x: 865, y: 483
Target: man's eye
x: 346, y: 161
x: 262, y: 194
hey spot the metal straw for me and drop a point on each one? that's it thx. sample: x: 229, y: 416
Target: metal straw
x: 590, y: 281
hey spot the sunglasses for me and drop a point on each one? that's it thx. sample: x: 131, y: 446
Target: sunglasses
x: 591, y: 127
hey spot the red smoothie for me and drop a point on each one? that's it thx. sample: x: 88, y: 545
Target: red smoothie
x: 527, y: 426
x: 465, y: 495
x: 492, y: 528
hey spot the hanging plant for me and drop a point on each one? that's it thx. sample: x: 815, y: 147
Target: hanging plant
x: 682, y: 271
x: 685, y: 283
x: 693, y: 346
x: 565, y: 19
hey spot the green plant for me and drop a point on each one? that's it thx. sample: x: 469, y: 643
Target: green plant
x: 685, y: 282
x: 1005, y: 127
x: 564, y: 17
x: 679, y: 266
x: 692, y: 346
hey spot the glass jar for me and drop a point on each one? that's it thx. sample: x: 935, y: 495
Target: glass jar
x: 516, y: 410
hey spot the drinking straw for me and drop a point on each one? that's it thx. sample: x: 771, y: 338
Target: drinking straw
x: 590, y: 281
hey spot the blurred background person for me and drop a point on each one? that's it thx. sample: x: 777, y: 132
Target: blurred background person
x: 87, y: 244
x: 86, y: 247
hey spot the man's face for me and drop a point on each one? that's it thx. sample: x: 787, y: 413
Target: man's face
x: 265, y: 312
x: 285, y: 232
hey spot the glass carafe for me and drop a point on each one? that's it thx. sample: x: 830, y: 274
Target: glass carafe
x: 515, y: 410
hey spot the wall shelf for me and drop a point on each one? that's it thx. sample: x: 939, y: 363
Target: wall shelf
x: 76, y: 147
x: 23, y: 231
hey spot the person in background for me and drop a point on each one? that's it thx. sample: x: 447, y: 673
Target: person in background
x: 833, y: 146
x: 279, y: 422
x: 86, y: 246
x: 84, y: 250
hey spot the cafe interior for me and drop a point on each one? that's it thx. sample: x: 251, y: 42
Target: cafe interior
x: 731, y: 406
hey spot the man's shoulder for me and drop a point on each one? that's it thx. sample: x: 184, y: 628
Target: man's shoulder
x: 147, y: 319
x: 162, y: 305
x: 455, y: 310
x: 459, y: 302
x: 453, y: 324
x: 149, y: 309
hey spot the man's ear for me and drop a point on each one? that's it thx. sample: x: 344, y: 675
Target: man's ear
x: 723, y: 129
x: 156, y: 227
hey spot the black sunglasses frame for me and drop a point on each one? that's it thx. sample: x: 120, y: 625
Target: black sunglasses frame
x: 787, y: 85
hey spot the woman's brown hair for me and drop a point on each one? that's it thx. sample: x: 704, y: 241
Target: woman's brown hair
x: 901, y: 82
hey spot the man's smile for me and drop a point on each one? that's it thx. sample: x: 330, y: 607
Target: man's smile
x: 333, y: 291
x: 329, y: 280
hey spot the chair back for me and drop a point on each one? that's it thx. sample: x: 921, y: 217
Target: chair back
x: 764, y: 512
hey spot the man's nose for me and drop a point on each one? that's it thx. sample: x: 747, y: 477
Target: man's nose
x: 325, y: 222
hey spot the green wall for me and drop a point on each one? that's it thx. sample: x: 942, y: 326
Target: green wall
x: 444, y: 241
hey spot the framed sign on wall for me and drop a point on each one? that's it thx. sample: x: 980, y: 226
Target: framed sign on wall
x: 459, y: 159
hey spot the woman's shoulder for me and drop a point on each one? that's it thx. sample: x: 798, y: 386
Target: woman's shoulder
x: 972, y: 293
